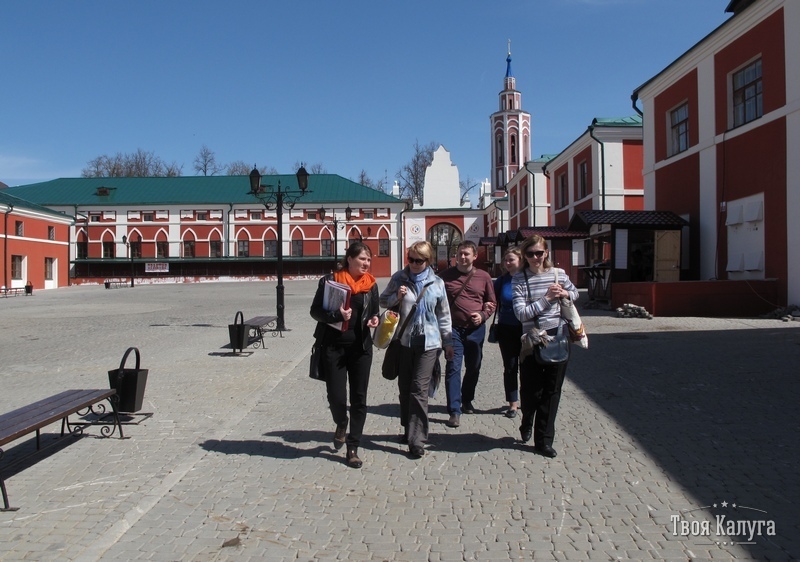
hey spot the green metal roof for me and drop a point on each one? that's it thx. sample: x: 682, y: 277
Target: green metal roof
x: 192, y: 190
x: 6, y: 199
x: 632, y: 121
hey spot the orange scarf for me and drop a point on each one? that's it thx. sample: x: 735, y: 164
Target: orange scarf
x: 363, y: 285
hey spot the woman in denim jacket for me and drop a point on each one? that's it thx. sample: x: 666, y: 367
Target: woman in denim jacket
x: 426, y: 334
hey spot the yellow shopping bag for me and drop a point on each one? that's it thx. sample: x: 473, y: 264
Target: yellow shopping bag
x: 385, y: 331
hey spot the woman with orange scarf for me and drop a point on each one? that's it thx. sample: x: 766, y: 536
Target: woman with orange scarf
x: 347, y: 355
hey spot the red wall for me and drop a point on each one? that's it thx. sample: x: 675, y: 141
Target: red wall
x: 34, y: 246
x: 765, y: 40
x: 633, y: 164
x: 584, y: 155
x: 749, y: 164
x: 699, y: 298
x: 679, y: 191
x: 683, y: 90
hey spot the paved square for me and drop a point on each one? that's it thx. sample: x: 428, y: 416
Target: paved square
x: 661, y: 422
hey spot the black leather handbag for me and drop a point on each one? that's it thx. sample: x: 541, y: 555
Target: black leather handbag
x: 391, y: 360
x: 557, y: 349
x: 315, y: 365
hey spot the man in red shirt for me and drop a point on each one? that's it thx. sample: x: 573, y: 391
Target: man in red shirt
x: 471, y: 295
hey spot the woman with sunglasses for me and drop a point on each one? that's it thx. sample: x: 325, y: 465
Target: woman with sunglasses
x: 538, y: 289
x: 348, y: 354
x: 427, y: 332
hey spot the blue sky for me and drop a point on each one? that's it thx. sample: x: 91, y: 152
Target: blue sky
x: 350, y: 85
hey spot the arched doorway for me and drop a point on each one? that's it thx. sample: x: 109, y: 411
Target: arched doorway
x: 445, y: 238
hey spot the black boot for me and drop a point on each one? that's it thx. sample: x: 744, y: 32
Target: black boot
x: 339, y: 435
x: 352, y: 457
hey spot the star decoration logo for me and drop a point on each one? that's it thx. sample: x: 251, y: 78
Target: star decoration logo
x: 732, y: 525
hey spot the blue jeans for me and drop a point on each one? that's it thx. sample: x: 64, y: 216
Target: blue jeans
x: 467, y: 350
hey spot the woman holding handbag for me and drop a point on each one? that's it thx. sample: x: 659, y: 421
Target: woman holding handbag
x: 508, y: 329
x: 425, y: 314
x: 347, y: 354
x: 538, y: 289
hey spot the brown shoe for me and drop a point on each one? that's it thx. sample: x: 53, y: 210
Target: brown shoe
x: 352, y: 458
x: 339, y: 436
x: 454, y: 421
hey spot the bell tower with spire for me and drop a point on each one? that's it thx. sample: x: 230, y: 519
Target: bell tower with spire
x: 511, y: 133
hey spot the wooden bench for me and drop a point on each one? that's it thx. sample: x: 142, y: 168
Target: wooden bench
x: 261, y: 324
x: 115, y: 283
x: 34, y: 417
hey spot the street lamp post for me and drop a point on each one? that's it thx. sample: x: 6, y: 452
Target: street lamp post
x: 278, y: 198
x: 129, y: 245
x: 337, y: 225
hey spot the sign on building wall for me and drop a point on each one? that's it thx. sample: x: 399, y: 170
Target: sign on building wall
x: 415, y: 231
x: 157, y: 267
x: 473, y: 229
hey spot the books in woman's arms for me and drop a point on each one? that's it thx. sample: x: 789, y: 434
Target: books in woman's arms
x: 336, y: 295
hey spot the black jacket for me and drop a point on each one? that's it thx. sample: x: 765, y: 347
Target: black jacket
x: 324, y: 334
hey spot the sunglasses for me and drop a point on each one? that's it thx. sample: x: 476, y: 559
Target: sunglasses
x: 416, y: 261
x: 536, y: 254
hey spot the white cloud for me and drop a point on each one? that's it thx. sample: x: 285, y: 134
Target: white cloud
x: 19, y: 170
x: 16, y: 165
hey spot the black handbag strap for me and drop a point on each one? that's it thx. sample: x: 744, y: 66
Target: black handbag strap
x: 530, y: 297
x: 413, y: 310
x: 461, y: 288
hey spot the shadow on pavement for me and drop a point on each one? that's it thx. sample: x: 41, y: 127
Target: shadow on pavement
x: 273, y: 449
x: 716, y: 410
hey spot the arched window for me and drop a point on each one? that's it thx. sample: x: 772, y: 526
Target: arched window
x: 243, y: 245
x: 513, y: 149
x: 270, y: 244
x: 297, y: 244
x: 162, y: 245
x: 215, y: 245
x: 188, y: 245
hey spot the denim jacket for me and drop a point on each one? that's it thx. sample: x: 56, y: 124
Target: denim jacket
x: 437, y: 325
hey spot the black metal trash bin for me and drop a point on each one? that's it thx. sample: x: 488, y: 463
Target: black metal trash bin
x: 129, y: 384
x: 239, y: 332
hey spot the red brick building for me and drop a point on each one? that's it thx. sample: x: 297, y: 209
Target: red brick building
x: 34, y: 244
x: 721, y: 137
x: 203, y: 228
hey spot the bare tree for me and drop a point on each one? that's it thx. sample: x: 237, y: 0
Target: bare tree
x: 412, y: 174
x: 237, y: 168
x: 242, y: 168
x: 317, y: 168
x: 365, y: 180
x: 172, y: 170
x: 467, y: 186
x: 139, y: 164
x: 205, y: 162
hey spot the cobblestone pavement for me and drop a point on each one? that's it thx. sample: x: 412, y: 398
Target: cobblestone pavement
x: 665, y: 425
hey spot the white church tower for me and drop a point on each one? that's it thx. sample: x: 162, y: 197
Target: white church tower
x: 511, y: 133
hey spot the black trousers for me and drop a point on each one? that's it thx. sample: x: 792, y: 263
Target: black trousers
x: 508, y: 338
x: 345, y: 364
x: 540, y: 393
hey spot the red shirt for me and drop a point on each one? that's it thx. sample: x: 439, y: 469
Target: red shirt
x: 478, y: 291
